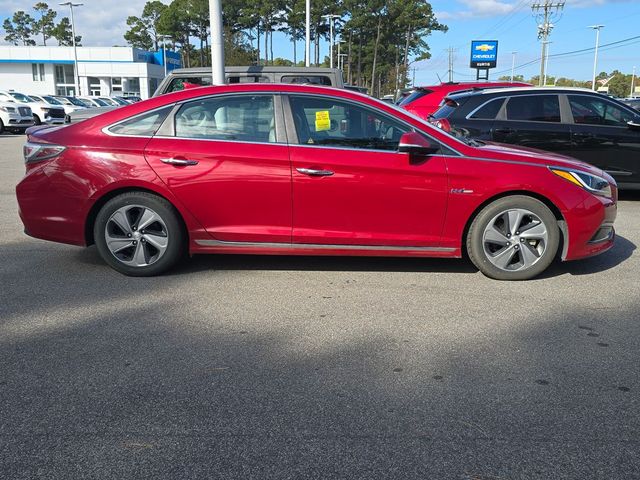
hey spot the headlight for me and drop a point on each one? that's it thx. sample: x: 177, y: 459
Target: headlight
x: 46, y: 110
x: 8, y: 109
x: 590, y: 182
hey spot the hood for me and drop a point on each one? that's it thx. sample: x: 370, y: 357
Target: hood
x: 533, y: 155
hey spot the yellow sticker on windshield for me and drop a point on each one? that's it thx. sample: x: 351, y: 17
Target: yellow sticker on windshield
x: 323, y: 122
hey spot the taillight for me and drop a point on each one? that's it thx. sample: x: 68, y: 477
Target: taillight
x: 443, y: 124
x: 37, y: 152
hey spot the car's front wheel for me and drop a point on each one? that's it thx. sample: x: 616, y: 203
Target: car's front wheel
x: 513, y: 238
x: 139, y: 234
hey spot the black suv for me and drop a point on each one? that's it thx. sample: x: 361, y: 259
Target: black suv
x: 575, y: 122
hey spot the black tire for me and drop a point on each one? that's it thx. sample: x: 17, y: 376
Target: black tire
x: 169, y: 223
x: 36, y: 120
x: 483, y: 253
x: 1, y: 127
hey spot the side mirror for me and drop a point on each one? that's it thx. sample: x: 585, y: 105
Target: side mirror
x: 415, y: 144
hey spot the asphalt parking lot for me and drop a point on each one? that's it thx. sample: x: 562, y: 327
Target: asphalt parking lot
x: 246, y: 367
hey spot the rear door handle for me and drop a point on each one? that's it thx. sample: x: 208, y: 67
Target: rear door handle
x: 315, y: 173
x: 504, y: 131
x: 180, y: 162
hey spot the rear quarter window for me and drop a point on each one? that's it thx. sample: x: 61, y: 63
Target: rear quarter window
x: 145, y: 124
x: 445, y: 110
x: 489, y: 110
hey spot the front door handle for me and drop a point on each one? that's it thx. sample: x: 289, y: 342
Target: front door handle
x: 315, y: 173
x: 179, y: 162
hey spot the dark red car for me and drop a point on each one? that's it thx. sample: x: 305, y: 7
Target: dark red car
x: 286, y: 169
x: 424, y: 101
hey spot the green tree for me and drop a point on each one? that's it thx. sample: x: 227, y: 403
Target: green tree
x: 62, y: 32
x: 143, y: 32
x: 175, y: 22
x: 19, y: 29
x: 45, y: 25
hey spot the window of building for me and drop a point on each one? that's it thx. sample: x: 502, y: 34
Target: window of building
x: 534, y: 108
x: 243, y: 118
x: 333, y: 122
x: 132, y: 86
x: 37, y: 71
x: 116, y: 85
x: 142, y: 125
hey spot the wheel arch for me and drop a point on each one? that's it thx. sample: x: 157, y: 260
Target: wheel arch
x: 527, y: 193
x: 103, y: 199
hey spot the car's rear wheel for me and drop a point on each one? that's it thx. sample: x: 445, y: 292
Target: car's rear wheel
x: 139, y: 234
x: 513, y: 238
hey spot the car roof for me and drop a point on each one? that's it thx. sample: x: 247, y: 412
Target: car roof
x: 523, y: 90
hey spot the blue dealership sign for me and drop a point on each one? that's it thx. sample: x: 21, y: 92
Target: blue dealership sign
x: 484, y: 53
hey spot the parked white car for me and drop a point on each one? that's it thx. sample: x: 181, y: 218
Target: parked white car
x: 68, y: 108
x: 15, y: 118
x: 41, y: 112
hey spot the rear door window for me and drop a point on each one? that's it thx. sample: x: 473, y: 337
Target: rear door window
x: 242, y: 118
x: 307, y: 79
x: 247, y: 79
x: 534, y: 108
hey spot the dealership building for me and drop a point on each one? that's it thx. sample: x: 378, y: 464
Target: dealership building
x: 103, y: 71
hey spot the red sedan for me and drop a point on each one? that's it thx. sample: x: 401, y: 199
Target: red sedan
x: 287, y: 169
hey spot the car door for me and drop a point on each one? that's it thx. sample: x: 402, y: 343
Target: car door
x: 533, y: 121
x: 351, y: 186
x: 226, y: 159
x: 601, y: 136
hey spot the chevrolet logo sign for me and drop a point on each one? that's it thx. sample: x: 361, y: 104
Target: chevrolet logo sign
x: 484, y: 47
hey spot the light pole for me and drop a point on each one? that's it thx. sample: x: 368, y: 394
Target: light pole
x: 595, y: 57
x: 73, y: 39
x: 164, y: 52
x: 633, y: 81
x: 307, y: 40
x: 330, y: 18
x: 339, y: 43
x: 513, y: 64
x: 217, y: 42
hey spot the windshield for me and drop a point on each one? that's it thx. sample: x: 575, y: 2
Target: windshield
x: 63, y: 101
x: 20, y: 97
x: 77, y: 101
x: 51, y: 100
x: 100, y: 102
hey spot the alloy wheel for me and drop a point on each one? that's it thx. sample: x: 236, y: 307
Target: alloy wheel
x: 136, y: 235
x: 515, y: 240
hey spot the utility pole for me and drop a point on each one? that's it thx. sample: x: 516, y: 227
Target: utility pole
x: 633, y: 81
x: 595, y: 57
x: 451, y: 51
x: 546, y: 65
x: 73, y: 39
x: 546, y: 13
x: 413, y: 81
x: 513, y: 64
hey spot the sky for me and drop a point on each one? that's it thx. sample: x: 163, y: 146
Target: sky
x: 509, y: 21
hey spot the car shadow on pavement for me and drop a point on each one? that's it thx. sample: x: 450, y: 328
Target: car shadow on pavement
x: 620, y: 252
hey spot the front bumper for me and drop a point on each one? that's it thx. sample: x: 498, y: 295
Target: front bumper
x: 591, y: 228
